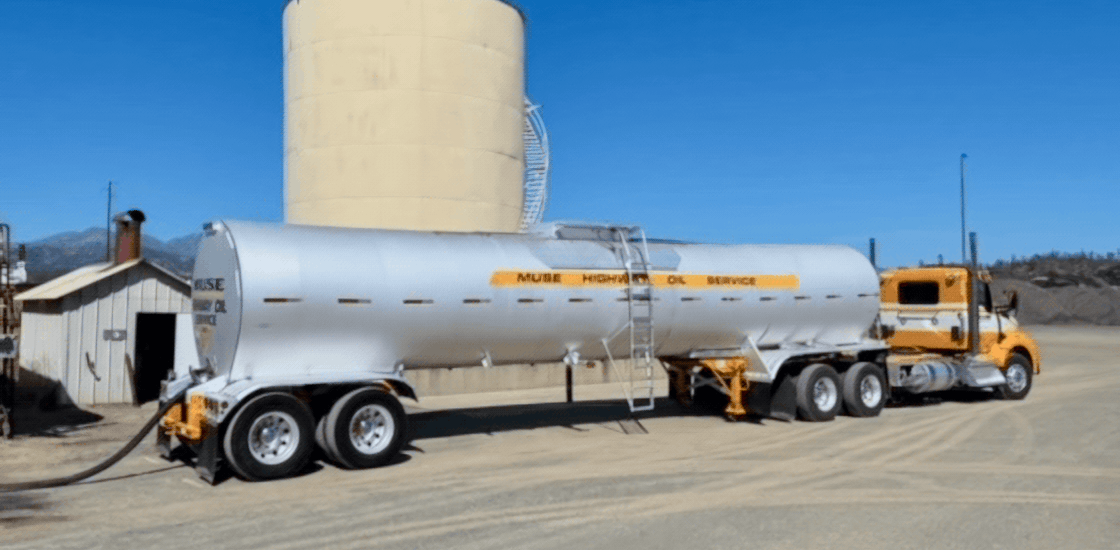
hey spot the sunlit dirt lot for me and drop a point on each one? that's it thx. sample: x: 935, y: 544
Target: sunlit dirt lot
x: 522, y: 470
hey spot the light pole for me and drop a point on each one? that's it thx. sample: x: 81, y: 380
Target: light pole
x: 963, y: 257
x: 109, y: 225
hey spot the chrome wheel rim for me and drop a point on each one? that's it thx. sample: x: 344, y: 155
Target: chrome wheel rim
x: 870, y: 391
x: 273, y: 438
x: 1016, y: 378
x: 824, y: 394
x: 371, y: 429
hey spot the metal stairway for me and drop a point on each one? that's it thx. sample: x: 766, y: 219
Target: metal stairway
x: 639, y: 298
x: 537, y: 166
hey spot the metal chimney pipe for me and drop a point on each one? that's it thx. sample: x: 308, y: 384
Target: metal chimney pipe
x: 5, y: 243
x: 973, y: 300
x: 872, y: 254
x: 128, y: 237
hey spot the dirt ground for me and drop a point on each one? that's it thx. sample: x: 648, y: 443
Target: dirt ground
x: 484, y: 473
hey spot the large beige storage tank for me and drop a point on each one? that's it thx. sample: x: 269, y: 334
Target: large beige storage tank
x: 404, y: 114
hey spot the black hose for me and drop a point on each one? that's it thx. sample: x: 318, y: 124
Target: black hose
x: 104, y: 465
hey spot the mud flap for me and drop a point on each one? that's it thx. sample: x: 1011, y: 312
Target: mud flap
x: 783, y: 401
x: 209, y: 458
x: 775, y: 401
x: 758, y: 399
x: 163, y: 443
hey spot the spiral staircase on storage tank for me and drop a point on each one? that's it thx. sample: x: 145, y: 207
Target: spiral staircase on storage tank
x: 537, y: 166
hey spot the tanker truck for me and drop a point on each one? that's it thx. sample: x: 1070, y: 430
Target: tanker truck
x: 943, y: 332
x: 305, y: 335
x: 946, y: 332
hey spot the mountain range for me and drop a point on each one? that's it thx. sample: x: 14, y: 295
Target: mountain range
x: 58, y: 254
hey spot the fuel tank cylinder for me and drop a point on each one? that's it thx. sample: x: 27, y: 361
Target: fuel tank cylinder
x: 404, y: 114
x: 289, y: 300
x: 931, y: 376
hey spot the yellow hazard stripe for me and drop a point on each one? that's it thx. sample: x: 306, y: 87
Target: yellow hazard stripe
x: 618, y: 278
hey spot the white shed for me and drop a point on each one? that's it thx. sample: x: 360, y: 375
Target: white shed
x: 106, y: 331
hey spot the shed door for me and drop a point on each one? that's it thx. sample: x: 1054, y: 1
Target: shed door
x: 155, y: 353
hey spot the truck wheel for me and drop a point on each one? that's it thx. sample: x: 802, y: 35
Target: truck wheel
x: 321, y: 440
x: 365, y: 428
x: 864, y: 390
x: 1020, y: 376
x: 270, y: 437
x: 818, y: 393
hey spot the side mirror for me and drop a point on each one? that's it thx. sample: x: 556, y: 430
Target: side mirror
x: 1012, y: 302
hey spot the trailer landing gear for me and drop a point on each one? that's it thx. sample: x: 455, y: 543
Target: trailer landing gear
x: 708, y: 378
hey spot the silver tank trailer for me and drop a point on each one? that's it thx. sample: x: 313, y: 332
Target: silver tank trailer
x: 291, y: 303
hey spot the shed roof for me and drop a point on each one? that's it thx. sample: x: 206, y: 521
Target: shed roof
x: 85, y: 276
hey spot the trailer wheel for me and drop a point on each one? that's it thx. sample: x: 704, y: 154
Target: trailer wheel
x: 1020, y: 377
x: 818, y: 393
x: 321, y: 439
x: 365, y: 428
x: 270, y: 437
x: 864, y: 390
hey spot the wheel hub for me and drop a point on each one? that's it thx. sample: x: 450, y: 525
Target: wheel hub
x: 870, y: 391
x: 268, y: 436
x: 1016, y: 378
x: 824, y: 394
x: 371, y: 429
x: 273, y: 438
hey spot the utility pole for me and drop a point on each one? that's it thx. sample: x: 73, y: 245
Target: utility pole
x: 109, y: 225
x: 964, y: 258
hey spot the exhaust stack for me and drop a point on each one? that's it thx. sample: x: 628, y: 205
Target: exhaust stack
x: 128, y: 246
x: 973, y: 301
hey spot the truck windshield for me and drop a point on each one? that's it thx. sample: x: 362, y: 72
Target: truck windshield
x: 921, y: 293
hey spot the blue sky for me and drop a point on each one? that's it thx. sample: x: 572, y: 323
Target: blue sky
x: 726, y: 121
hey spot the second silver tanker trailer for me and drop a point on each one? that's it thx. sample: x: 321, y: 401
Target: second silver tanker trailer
x: 305, y: 334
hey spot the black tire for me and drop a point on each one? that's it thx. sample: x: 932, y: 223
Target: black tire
x: 821, y: 378
x: 321, y: 440
x: 375, y: 406
x: 256, y: 454
x: 865, y: 390
x: 1020, y: 377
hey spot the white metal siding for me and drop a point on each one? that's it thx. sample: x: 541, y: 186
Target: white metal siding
x: 73, y: 343
x: 39, y: 352
x: 56, y: 345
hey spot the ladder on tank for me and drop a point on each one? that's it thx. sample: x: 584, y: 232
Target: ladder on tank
x: 639, y: 302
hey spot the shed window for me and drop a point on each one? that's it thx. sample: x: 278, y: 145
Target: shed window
x: 925, y: 293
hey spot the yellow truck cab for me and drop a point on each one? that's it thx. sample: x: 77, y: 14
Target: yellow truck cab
x: 925, y: 318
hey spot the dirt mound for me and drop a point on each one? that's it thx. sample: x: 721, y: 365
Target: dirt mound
x: 1062, y: 288
x: 1061, y: 304
x: 1060, y: 270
